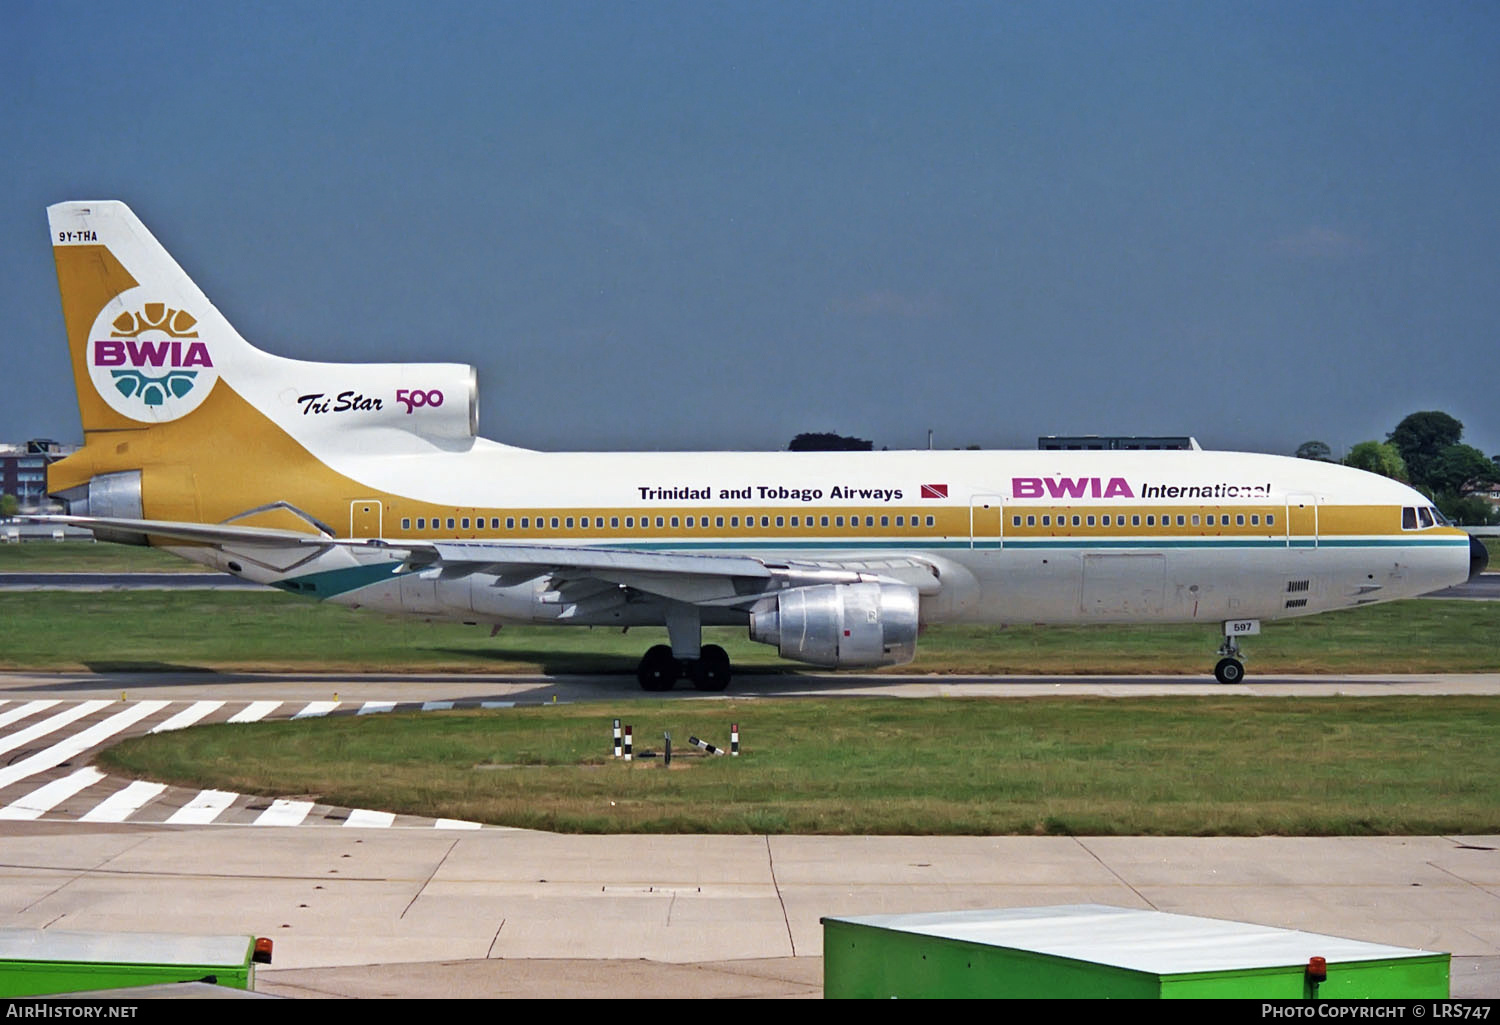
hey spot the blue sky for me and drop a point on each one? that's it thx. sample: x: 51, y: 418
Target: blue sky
x: 715, y: 225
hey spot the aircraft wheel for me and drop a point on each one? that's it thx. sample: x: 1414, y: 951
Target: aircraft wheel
x: 658, y: 669
x: 711, y: 672
x: 1229, y: 670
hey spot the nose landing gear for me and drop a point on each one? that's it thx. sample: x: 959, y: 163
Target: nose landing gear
x: 1229, y: 670
x: 1231, y: 665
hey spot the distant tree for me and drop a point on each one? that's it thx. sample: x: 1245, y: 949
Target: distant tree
x: 828, y: 443
x: 1378, y: 457
x: 1318, y: 450
x: 1467, y: 510
x: 9, y: 505
x: 1420, y: 437
x: 1460, y: 469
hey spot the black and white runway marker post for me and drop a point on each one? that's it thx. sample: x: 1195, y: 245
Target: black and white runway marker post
x: 706, y: 746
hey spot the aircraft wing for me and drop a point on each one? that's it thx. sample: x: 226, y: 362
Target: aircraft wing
x: 712, y: 579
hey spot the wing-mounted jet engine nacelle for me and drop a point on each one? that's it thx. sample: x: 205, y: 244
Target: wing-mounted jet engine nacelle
x: 841, y: 625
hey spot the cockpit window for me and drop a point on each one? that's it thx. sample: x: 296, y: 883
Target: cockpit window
x: 1424, y: 516
x: 1442, y: 521
x: 1409, y: 518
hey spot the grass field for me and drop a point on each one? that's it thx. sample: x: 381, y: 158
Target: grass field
x: 186, y: 630
x: 1229, y: 765
x: 89, y: 557
x: 1232, y: 766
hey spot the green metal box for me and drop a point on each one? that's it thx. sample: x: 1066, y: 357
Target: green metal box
x: 39, y: 962
x: 1092, y: 950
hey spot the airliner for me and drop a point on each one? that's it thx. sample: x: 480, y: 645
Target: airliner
x: 366, y: 484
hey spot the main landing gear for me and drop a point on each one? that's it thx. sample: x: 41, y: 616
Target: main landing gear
x: 660, y: 669
x: 707, y: 665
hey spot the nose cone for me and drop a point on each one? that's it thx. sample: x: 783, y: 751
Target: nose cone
x: 1479, y: 556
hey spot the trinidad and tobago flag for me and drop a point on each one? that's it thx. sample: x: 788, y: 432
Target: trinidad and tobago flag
x: 934, y: 491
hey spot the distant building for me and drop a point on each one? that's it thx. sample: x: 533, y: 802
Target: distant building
x: 1055, y: 442
x: 23, y: 469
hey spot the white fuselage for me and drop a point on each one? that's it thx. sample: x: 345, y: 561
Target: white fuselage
x: 1046, y: 537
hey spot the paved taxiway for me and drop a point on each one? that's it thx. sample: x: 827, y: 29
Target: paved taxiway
x: 421, y: 911
x: 1485, y: 587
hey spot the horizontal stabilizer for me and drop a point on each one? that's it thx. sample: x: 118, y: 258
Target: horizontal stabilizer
x: 201, y: 533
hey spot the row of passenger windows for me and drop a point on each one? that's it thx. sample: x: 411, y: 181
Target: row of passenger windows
x: 695, y: 522
x: 1111, y: 520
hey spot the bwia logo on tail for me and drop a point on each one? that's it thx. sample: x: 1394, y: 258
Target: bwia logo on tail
x: 149, y: 363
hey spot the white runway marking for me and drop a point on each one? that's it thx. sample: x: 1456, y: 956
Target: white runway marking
x: 43, y: 799
x: 146, y: 802
x: 79, y: 742
x: 255, y: 711
x: 284, y: 813
x: 189, y: 715
x: 51, y: 724
x: 203, y: 809
x: 122, y: 804
x: 23, y: 711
